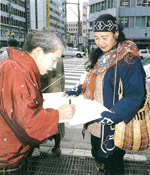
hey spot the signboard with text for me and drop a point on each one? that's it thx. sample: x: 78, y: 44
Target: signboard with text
x: 84, y: 20
x: 48, y: 13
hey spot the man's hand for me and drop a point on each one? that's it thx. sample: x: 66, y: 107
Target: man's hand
x: 66, y: 111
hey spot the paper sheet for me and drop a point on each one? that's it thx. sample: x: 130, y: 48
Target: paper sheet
x: 86, y: 109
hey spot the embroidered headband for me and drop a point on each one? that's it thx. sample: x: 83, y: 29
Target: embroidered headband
x: 105, y: 26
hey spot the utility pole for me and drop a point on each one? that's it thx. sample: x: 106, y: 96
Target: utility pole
x: 78, y: 23
x: 78, y: 19
x: 117, y: 10
x: 66, y: 20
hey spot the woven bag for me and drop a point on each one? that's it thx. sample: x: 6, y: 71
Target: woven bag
x: 135, y: 135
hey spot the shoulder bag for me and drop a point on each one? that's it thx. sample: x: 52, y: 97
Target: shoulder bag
x: 135, y: 135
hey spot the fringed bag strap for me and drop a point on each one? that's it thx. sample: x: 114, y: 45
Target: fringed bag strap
x: 115, y: 79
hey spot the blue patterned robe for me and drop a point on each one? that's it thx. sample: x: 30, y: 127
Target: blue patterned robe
x: 133, y: 80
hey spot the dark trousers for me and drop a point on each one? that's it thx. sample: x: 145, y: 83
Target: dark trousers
x: 111, y: 165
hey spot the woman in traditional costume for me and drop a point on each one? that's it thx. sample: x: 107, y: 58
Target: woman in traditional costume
x: 115, y: 60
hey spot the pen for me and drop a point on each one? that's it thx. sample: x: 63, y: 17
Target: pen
x: 70, y: 101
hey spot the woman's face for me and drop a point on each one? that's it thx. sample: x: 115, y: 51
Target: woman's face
x: 105, y: 40
x: 47, y: 62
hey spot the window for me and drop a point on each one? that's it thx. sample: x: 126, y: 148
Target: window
x: 140, y: 21
x: 103, y: 5
x: 7, y: 20
x: 97, y: 7
x: 148, y: 21
x: 124, y: 21
x: 143, y: 51
x: 92, y: 8
x: 143, y: 2
x: 125, y: 3
x: 91, y: 24
x: 2, y: 19
x: 16, y: 12
x: 3, y: 33
x: 110, y: 3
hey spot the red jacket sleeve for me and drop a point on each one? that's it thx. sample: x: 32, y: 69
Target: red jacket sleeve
x: 21, y: 104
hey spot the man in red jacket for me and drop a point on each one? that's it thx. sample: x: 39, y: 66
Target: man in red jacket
x: 23, y: 121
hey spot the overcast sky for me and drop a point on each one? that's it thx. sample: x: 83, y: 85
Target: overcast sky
x: 72, y: 10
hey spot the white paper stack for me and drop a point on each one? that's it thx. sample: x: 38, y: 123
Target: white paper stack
x: 86, y: 109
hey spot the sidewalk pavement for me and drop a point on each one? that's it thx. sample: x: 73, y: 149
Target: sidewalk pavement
x: 74, y: 144
x: 76, y: 158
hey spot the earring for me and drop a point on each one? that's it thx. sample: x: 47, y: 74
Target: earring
x: 116, y: 37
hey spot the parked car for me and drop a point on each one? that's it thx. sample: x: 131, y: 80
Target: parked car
x: 71, y: 52
x: 76, y: 49
x: 144, y: 53
x: 3, y: 49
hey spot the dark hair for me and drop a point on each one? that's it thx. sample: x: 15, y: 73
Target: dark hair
x: 96, y: 53
x: 48, y: 39
x: 12, y: 42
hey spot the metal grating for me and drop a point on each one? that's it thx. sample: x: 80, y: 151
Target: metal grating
x: 137, y: 167
x: 49, y: 164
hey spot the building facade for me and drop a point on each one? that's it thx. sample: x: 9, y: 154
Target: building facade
x: 72, y: 34
x: 46, y: 13
x: 12, y: 21
x: 72, y: 27
x: 134, y: 15
x: 20, y: 16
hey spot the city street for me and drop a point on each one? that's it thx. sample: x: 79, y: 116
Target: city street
x: 76, y: 158
x: 74, y: 69
x: 45, y: 31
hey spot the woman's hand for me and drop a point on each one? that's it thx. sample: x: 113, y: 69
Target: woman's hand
x: 66, y: 111
x: 109, y: 118
x: 74, y: 92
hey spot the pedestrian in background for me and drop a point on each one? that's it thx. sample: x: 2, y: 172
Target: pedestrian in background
x: 54, y: 81
x: 23, y: 121
x: 12, y: 42
x: 115, y: 61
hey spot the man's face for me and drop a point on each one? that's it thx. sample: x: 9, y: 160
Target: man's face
x: 47, y: 62
x: 105, y: 40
